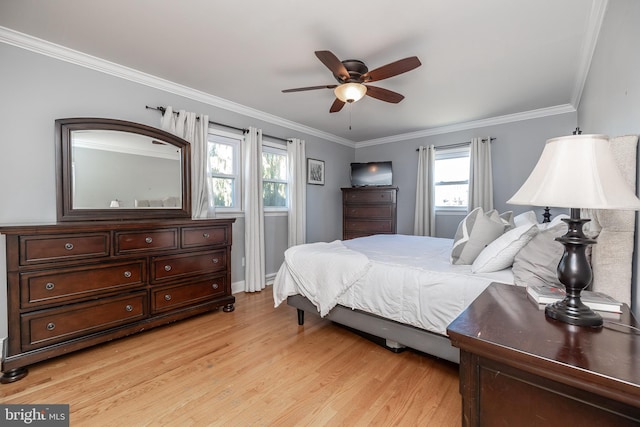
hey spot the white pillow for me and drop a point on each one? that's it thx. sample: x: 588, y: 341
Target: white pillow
x: 525, y: 218
x: 474, y: 233
x: 500, y: 253
x: 537, y: 262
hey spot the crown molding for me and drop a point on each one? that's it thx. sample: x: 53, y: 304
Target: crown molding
x: 509, y: 118
x: 62, y: 53
x: 594, y: 24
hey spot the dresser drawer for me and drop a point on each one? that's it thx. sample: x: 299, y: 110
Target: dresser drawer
x: 371, y: 227
x: 141, y: 241
x: 69, y: 284
x: 170, y: 297
x: 192, y: 237
x: 373, y: 211
x: 370, y: 196
x: 62, y: 247
x: 188, y: 264
x: 46, y: 327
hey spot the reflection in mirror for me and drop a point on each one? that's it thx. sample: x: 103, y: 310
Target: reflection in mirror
x: 114, y: 169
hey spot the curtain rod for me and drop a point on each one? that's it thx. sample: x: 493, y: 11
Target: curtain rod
x: 243, y: 130
x: 459, y: 144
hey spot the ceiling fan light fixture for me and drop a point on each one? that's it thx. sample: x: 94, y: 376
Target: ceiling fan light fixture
x: 350, y: 92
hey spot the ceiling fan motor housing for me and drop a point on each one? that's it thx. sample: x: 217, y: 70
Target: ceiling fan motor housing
x: 356, y: 69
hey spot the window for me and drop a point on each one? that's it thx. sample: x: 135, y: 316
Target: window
x: 451, y: 178
x: 275, y: 191
x: 224, y: 160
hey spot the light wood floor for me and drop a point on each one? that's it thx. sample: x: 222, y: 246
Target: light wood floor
x: 252, y: 367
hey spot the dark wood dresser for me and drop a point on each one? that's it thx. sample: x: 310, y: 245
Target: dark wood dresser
x: 519, y: 368
x: 368, y: 210
x: 74, y: 285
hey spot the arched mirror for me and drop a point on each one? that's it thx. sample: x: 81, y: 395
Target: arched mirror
x: 113, y: 169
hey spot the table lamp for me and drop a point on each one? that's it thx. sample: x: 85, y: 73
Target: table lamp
x: 576, y: 171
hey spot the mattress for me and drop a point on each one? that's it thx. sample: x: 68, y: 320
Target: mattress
x: 408, y: 279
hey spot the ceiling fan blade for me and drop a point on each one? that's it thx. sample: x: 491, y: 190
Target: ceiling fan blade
x: 333, y: 63
x: 336, y: 106
x: 392, y: 69
x: 384, y: 94
x: 300, y: 89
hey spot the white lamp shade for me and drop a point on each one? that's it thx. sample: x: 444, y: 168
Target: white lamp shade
x: 577, y: 171
x: 350, y: 92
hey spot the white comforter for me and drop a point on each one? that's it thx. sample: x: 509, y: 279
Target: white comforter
x: 408, y: 279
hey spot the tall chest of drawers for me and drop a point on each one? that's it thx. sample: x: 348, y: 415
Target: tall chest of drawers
x: 368, y: 210
x: 71, y: 286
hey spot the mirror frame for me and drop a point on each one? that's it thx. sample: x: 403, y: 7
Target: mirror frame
x: 65, y: 209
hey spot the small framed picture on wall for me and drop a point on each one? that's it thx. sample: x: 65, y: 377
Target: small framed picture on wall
x: 315, y: 172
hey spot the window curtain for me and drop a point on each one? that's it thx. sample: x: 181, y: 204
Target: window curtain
x: 187, y: 126
x: 425, y: 221
x: 480, y: 175
x: 296, y: 178
x: 254, y: 271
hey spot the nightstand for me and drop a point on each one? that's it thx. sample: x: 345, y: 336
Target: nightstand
x: 520, y: 368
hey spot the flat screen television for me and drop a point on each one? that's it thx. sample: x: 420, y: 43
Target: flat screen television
x: 372, y: 173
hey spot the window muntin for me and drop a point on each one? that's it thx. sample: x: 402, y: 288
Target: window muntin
x: 451, y: 178
x: 275, y: 188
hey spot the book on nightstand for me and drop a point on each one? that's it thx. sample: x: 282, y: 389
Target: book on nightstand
x: 547, y: 294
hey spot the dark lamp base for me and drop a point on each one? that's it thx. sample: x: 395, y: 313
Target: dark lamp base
x: 574, y: 272
x: 579, y: 315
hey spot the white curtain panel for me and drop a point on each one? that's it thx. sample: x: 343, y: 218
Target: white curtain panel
x: 186, y: 126
x: 480, y: 175
x: 296, y: 160
x: 254, y: 271
x: 425, y: 221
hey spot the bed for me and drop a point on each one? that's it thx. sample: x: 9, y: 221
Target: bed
x: 407, y: 289
x: 400, y: 288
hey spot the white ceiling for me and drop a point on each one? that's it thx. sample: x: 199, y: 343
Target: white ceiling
x: 481, y: 60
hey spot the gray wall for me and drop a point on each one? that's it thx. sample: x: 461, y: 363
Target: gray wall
x: 610, y: 101
x: 514, y: 153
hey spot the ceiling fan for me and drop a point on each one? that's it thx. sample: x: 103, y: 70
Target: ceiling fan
x: 352, y: 74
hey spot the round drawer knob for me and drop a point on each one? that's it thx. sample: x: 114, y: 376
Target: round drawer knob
x: 167, y: 267
x: 51, y: 326
x: 49, y: 286
x: 205, y: 235
x: 129, y: 307
x: 68, y: 246
x: 167, y: 297
x: 148, y: 240
x: 215, y: 260
x: 127, y: 274
x: 215, y: 286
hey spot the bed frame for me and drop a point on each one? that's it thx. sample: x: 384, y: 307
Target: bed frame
x: 397, y: 336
